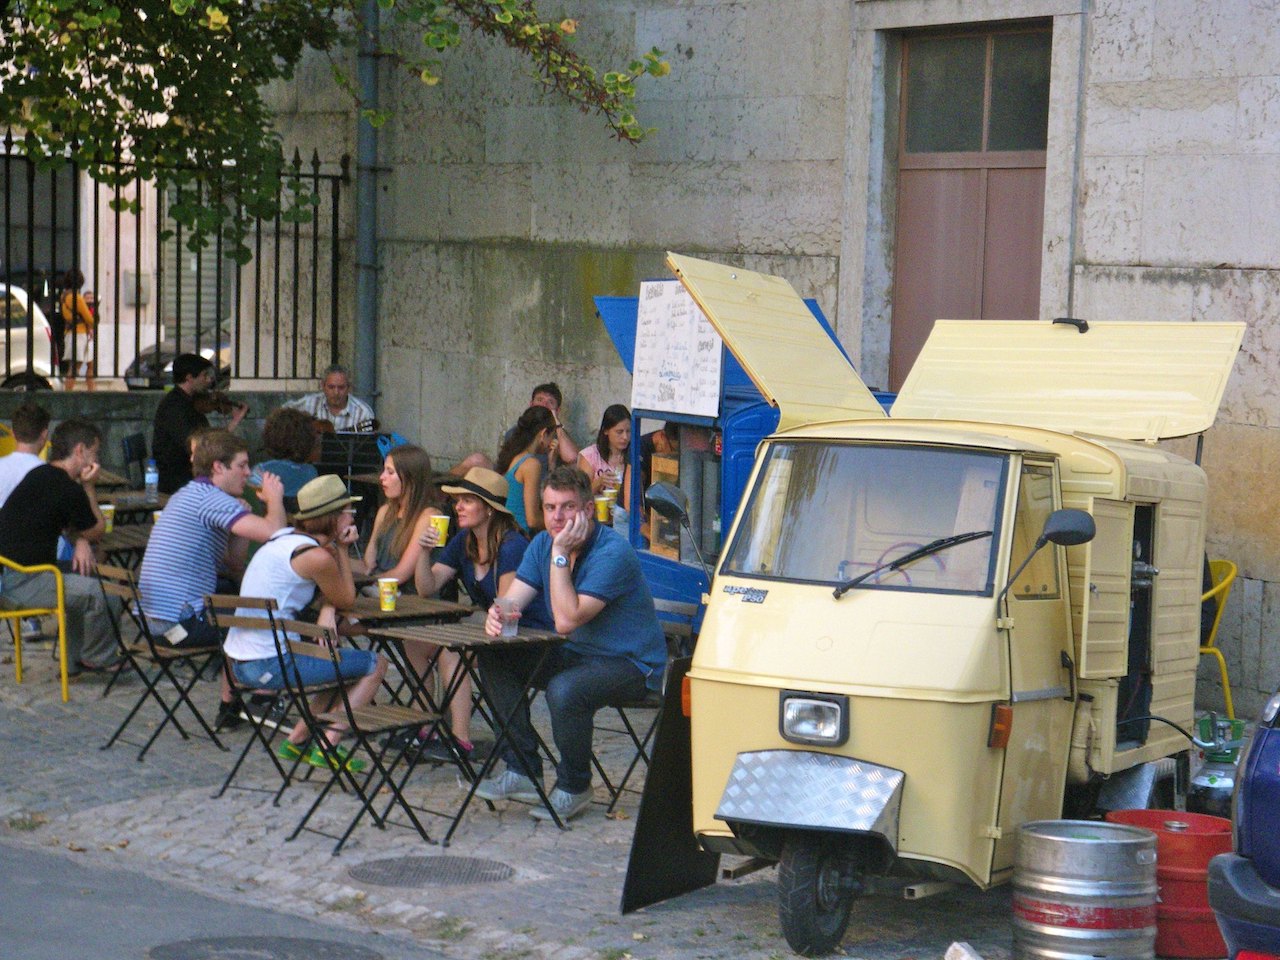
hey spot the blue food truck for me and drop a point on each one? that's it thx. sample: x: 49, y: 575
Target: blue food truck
x: 711, y: 460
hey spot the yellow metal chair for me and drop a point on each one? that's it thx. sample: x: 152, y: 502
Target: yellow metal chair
x: 15, y: 618
x: 1223, y: 574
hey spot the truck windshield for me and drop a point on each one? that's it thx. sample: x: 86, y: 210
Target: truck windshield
x: 825, y: 513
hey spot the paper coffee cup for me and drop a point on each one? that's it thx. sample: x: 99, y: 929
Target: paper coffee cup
x: 602, y: 508
x: 441, y: 523
x: 109, y: 515
x: 388, y: 587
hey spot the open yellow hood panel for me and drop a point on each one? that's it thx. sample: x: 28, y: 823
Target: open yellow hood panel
x: 787, y: 355
x: 1132, y: 381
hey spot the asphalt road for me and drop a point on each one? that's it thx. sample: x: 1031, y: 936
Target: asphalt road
x: 54, y: 906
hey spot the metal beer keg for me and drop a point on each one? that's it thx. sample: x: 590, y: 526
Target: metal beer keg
x: 1084, y: 889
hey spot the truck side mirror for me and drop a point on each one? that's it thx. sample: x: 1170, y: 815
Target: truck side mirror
x: 1068, y: 528
x: 670, y: 501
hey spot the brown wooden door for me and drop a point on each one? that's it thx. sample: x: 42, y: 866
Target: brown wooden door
x: 971, y: 183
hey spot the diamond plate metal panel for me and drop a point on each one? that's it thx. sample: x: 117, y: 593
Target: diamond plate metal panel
x: 794, y: 788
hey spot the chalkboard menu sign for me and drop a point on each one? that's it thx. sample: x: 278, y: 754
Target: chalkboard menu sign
x: 678, y: 353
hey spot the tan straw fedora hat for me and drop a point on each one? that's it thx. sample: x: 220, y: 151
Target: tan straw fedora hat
x: 322, y: 495
x: 488, y: 486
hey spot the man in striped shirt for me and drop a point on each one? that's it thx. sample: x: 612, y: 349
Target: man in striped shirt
x: 204, y: 531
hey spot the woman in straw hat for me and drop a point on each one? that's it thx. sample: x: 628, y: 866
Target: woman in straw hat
x: 290, y: 568
x: 483, y: 555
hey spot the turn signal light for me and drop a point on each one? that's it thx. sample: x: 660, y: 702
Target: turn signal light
x: 686, y: 697
x: 1001, y: 726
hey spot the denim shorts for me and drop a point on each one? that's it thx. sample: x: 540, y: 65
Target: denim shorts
x: 266, y: 673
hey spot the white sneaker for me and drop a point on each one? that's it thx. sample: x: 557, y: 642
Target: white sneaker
x: 566, y: 805
x: 508, y: 785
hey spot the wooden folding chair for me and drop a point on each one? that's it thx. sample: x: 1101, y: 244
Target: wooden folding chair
x: 372, y: 730
x: 15, y: 617
x: 677, y: 619
x: 157, y: 664
x: 276, y: 711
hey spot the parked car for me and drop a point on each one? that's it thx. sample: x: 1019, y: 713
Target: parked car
x: 1244, y: 886
x: 152, y: 369
x: 16, y: 309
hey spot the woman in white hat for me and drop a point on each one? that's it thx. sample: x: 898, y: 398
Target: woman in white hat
x: 483, y: 555
x: 291, y: 568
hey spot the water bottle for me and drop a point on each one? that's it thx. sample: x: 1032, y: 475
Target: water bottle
x: 151, y: 478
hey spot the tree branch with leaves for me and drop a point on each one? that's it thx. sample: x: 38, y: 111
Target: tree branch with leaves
x: 171, y: 90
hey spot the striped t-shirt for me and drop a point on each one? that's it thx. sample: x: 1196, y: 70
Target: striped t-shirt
x: 188, y: 541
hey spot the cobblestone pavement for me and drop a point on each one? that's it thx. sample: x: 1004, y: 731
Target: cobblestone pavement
x: 59, y: 790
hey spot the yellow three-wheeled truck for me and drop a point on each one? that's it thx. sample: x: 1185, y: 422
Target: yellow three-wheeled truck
x: 927, y: 629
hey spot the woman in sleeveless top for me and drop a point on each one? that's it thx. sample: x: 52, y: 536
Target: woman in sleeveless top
x: 518, y: 460
x: 290, y: 568
x: 412, y: 499
x: 605, y: 461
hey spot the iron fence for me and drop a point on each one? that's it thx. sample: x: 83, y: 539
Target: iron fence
x: 70, y: 246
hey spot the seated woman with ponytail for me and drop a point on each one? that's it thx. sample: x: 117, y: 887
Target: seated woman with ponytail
x: 533, y: 434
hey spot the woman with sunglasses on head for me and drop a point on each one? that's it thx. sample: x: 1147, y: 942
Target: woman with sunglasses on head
x: 483, y: 555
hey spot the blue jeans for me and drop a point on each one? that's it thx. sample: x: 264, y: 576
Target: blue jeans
x: 576, y: 685
x: 267, y: 673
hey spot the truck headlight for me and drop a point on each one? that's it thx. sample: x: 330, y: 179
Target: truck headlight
x: 818, y: 719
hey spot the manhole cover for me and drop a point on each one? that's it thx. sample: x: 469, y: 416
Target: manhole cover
x: 260, y: 948
x: 430, y: 871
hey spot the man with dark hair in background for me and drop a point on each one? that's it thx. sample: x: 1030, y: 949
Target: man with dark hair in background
x: 54, y: 499
x: 177, y: 418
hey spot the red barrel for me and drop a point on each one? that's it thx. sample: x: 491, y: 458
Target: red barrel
x: 1185, y: 843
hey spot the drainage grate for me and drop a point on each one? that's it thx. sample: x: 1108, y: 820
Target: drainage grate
x: 260, y: 948
x: 430, y: 871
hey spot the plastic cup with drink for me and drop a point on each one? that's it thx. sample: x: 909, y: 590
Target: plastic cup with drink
x: 441, y: 523
x: 109, y: 515
x: 603, y: 505
x: 388, y: 590
x: 510, y: 616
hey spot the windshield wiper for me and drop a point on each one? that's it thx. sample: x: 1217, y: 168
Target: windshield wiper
x: 942, y: 543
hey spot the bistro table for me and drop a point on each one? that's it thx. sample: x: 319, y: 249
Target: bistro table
x: 106, y: 480
x: 125, y: 544
x: 132, y: 506
x: 467, y: 640
x: 409, y: 608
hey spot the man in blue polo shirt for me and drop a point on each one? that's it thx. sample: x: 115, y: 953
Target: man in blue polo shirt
x: 588, y: 581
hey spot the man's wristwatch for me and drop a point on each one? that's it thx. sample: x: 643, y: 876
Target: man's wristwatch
x: 560, y: 560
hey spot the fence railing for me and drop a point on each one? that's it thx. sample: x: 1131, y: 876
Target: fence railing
x: 145, y: 296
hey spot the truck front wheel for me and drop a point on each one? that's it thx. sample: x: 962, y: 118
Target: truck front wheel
x: 818, y: 880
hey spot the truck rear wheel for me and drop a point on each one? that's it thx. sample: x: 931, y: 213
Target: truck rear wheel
x: 818, y: 880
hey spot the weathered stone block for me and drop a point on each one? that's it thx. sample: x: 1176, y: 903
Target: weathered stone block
x: 1161, y: 117
x: 1121, y: 34
x: 1221, y: 39
x: 1111, y: 210
x: 1189, y: 219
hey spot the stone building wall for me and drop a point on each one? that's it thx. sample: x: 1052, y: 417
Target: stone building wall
x: 503, y: 213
